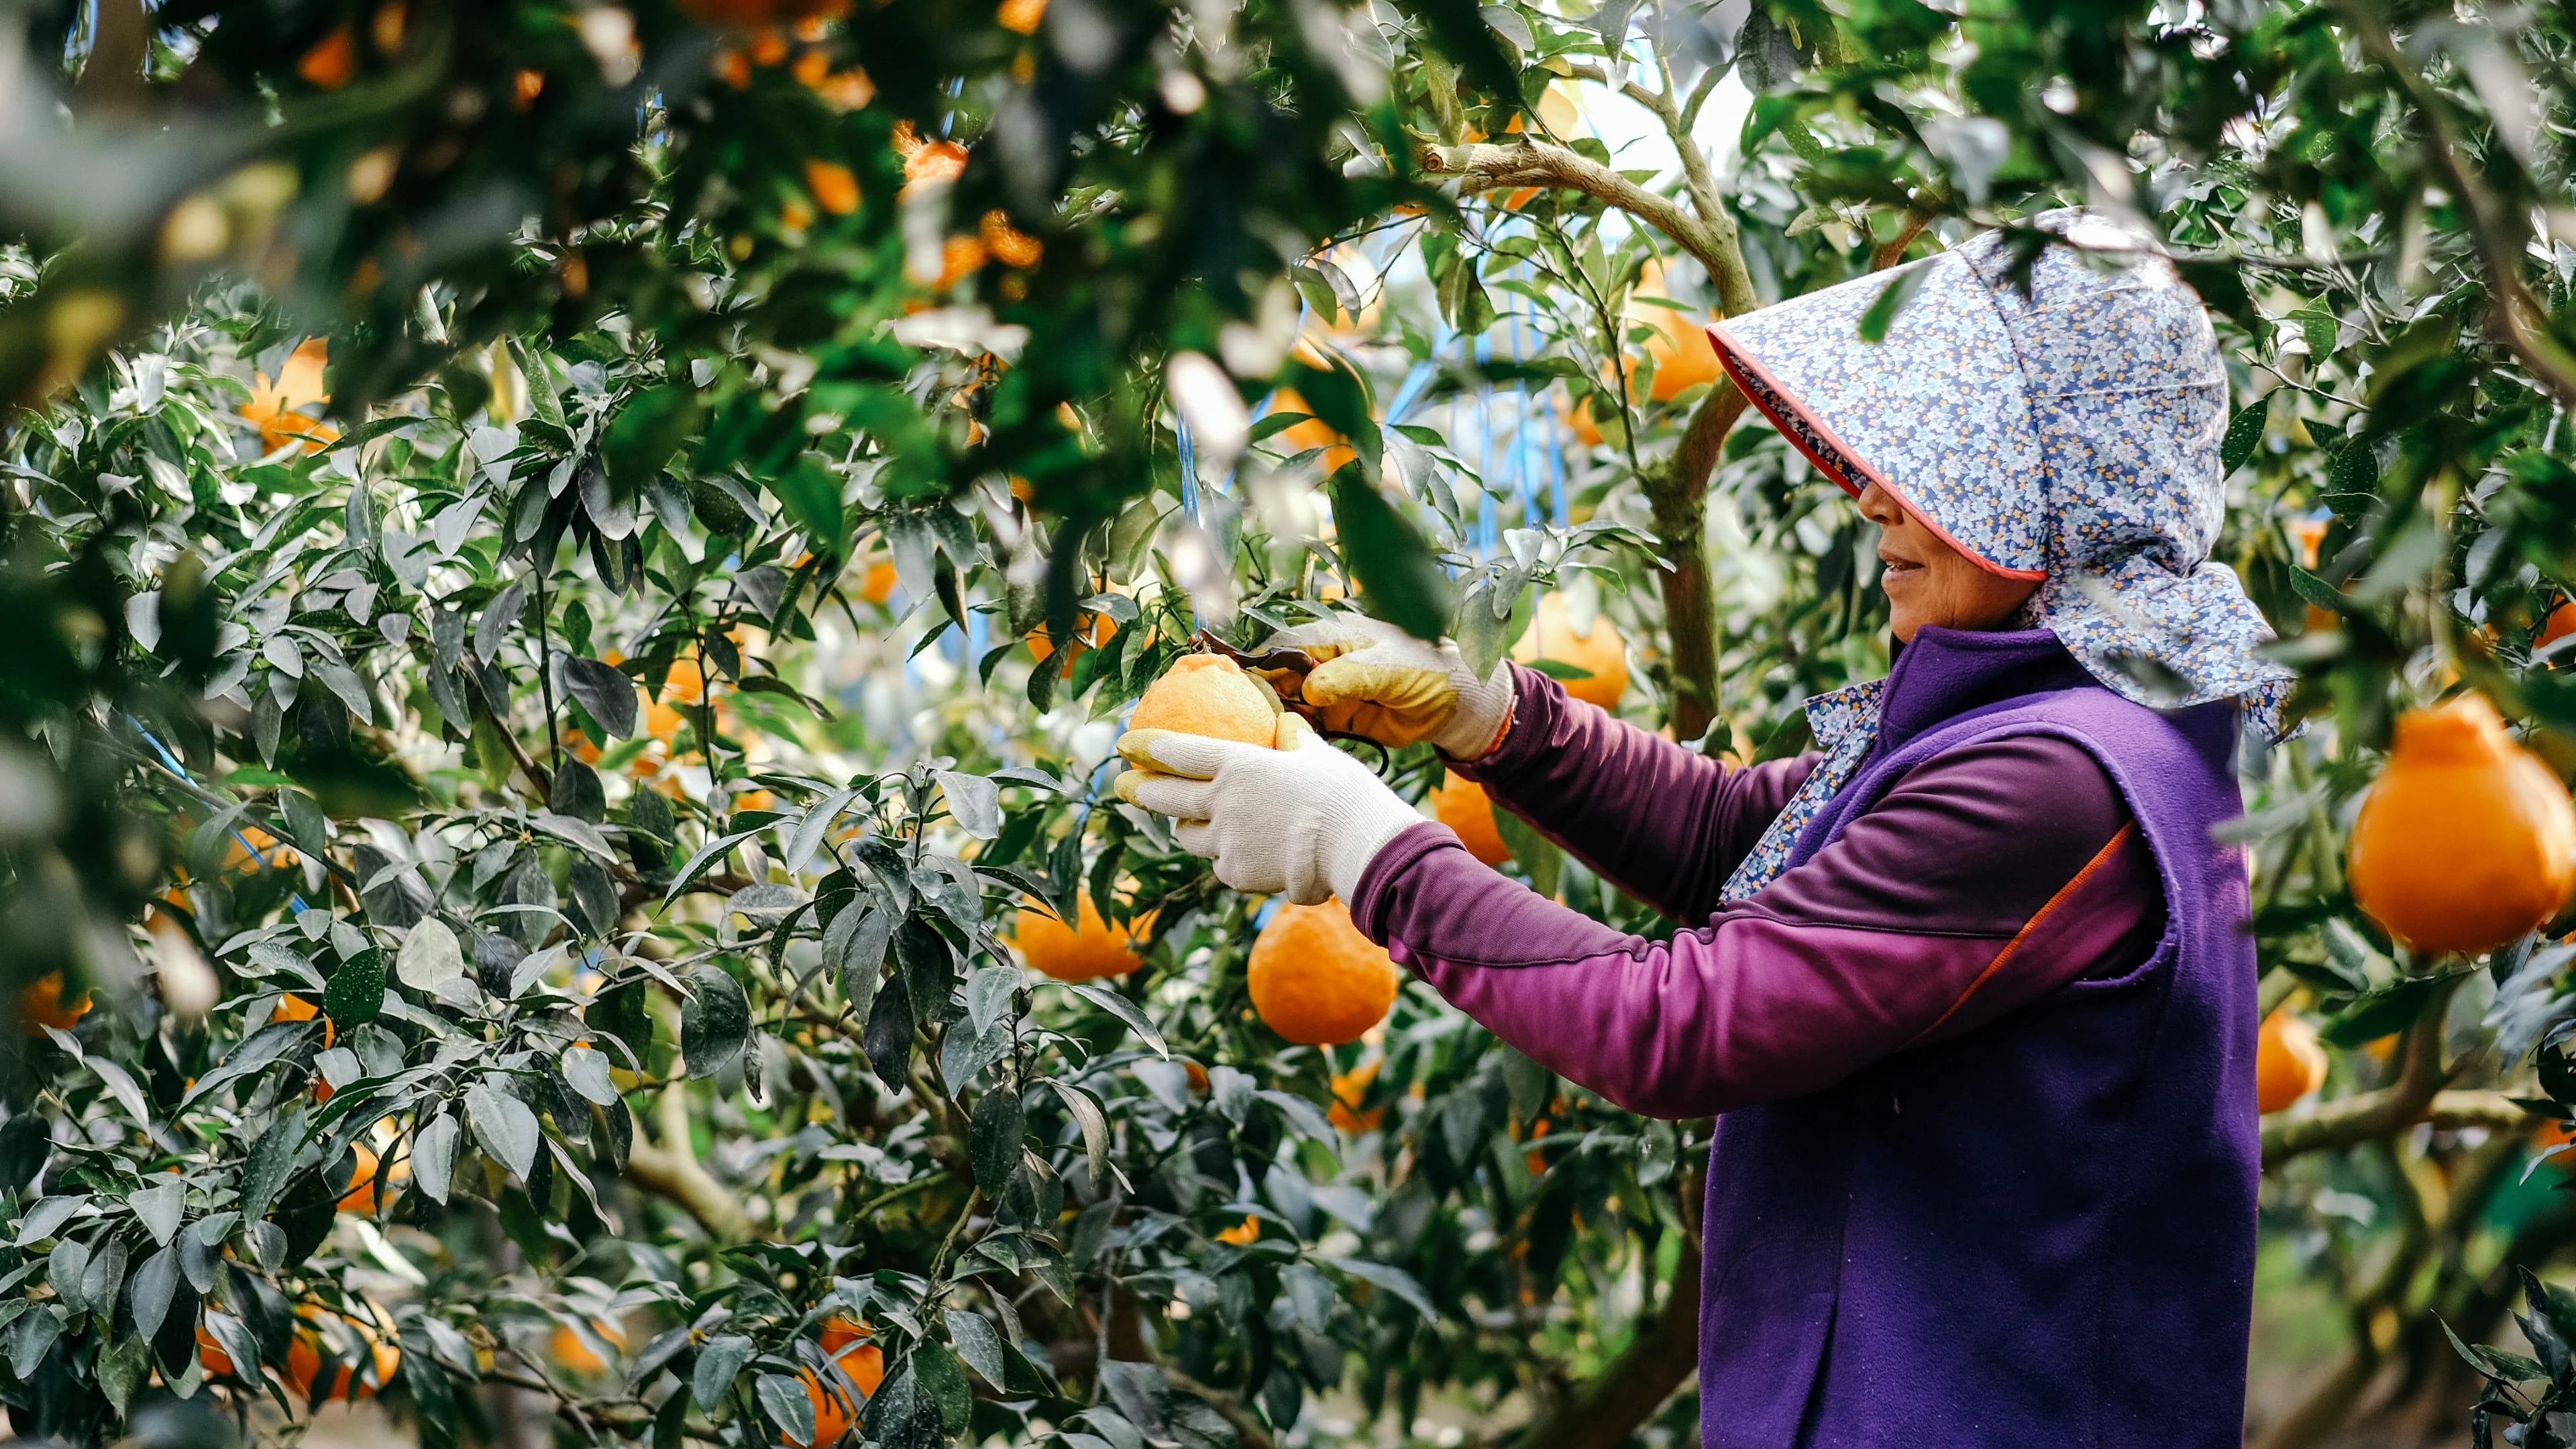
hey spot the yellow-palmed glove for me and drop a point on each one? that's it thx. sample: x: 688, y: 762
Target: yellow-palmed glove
x: 1374, y: 680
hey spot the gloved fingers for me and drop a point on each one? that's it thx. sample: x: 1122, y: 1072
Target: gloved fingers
x: 1198, y: 837
x: 1310, y: 892
x: 1320, y: 640
x: 1174, y: 753
x: 1404, y: 687
x: 1293, y: 733
x: 1173, y: 795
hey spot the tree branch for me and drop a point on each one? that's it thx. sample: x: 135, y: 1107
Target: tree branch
x: 1605, y: 1410
x: 1485, y: 166
x: 671, y: 1171
x: 2370, y: 1115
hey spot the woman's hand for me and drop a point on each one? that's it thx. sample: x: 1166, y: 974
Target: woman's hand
x: 1373, y: 679
x: 1303, y: 820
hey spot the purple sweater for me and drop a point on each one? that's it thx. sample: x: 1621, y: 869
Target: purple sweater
x: 1985, y: 879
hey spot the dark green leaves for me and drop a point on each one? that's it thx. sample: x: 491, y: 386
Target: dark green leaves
x: 1399, y: 579
x: 649, y: 430
x: 2244, y: 435
x: 715, y: 1024
x: 997, y: 1130
x: 355, y: 993
x: 604, y: 691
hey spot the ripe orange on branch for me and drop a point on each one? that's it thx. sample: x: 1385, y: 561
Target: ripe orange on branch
x: 1316, y: 980
x: 1087, y: 950
x: 1601, y: 653
x: 42, y: 1005
x: 2467, y: 840
x: 378, y: 1355
x: 1463, y: 806
x: 2288, y: 1061
x: 1209, y: 694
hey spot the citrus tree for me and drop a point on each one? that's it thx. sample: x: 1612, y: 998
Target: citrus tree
x: 583, y: 563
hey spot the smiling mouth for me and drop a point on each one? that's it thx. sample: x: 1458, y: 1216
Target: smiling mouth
x: 1891, y: 567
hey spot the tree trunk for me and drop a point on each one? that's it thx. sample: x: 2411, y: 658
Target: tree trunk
x: 1678, y: 495
x: 1602, y: 1412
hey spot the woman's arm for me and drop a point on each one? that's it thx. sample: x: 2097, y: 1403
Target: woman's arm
x: 1984, y: 880
x: 1665, y: 824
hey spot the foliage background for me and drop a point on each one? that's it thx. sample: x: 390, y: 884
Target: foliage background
x: 601, y: 684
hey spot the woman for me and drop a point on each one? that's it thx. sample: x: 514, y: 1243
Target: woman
x: 1970, y: 986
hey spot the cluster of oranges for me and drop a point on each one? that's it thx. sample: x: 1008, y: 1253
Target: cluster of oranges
x: 359, y: 1348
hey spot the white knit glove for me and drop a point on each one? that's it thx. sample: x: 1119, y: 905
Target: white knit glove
x: 1303, y: 822
x: 1374, y: 679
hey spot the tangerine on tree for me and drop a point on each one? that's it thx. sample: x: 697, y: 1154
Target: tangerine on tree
x: 1209, y: 694
x: 355, y: 1375
x: 1316, y: 980
x: 1463, y: 806
x: 2467, y: 840
x: 1087, y: 950
x: 2289, y: 1062
x: 1599, y: 652
x: 42, y: 1004
x: 846, y: 1342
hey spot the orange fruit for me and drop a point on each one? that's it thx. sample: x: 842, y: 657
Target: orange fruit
x: 210, y: 1353
x: 1021, y: 15
x: 1087, y: 950
x: 569, y: 1350
x: 2288, y: 1061
x: 1241, y: 1233
x: 331, y: 62
x: 1312, y: 433
x: 879, y: 584
x: 2560, y: 624
x: 2553, y: 1134
x: 1316, y: 980
x: 1090, y: 632
x: 42, y: 1005
x: 2310, y: 534
x: 1349, y: 1089
x: 1684, y: 357
x: 2466, y: 840
x: 845, y: 1340
x: 292, y: 1007
x: 831, y: 1414
x: 276, y: 406
x: 835, y: 186
x: 304, y: 1354
x: 1209, y: 694
x: 1602, y: 652
x: 361, y: 1196
x: 1535, y: 1160
x: 1463, y: 806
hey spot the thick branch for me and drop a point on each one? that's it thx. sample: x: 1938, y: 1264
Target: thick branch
x: 670, y: 1170
x: 1485, y: 166
x: 1604, y: 1411
x: 2370, y: 1115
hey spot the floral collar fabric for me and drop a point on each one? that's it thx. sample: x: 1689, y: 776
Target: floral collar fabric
x: 2061, y: 423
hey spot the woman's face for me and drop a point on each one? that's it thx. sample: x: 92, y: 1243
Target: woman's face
x: 1929, y: 582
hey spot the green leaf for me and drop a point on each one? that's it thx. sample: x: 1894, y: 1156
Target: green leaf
x: 355, y: 994
x: 649, y: 431
x: 784, y: 1400
x: 1000, y: 1124
x: 1399, y: 579
x: 272, y: 1158
x: 2495, y: 1363
x: 1900, y: 289
x: 2388, y: 1011
x: 812, y: 493
x: 715, y: 1023
x: 2244, y: 435
x: 943, y: 1380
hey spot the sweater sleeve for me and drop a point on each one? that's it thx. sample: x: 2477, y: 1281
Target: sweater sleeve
x: 1664, y: 824
x: 1982, y: 881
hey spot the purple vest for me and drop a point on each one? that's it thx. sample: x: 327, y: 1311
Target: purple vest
x: 2039, y: 1232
